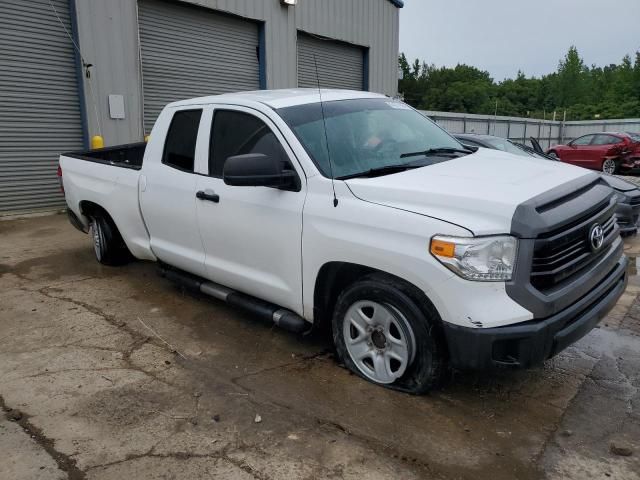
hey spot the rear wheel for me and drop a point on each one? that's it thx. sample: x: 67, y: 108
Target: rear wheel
x: 609, y: 166
x: 383, y: 335
x: 554, y: 155
x: 108, y: 245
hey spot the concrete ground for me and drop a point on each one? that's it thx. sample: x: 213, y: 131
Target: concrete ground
x: 111, y: 373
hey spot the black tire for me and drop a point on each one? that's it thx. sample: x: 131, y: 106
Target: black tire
x: 606, y: 166
x: 108, y: 245
x: 429, y: 365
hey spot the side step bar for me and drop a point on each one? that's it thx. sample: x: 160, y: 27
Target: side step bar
x: 283, y: 318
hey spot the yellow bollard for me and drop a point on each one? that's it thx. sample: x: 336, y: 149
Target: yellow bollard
x: 146, y: 138
x: 97, y: 142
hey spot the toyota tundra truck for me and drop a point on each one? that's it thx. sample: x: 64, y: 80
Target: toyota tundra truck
x: 353, y: 211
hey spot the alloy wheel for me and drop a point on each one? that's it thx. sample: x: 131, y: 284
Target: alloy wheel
x: 609, y: 167
x: 379, y: 340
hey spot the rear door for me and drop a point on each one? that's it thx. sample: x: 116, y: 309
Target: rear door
x: 252, y: 235
x: 167, y: 192
x: 606, y: 145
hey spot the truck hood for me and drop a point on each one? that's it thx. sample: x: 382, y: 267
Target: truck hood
x: 479, y: 192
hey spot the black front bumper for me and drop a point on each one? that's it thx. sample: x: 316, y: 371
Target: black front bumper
x: 531, y: 343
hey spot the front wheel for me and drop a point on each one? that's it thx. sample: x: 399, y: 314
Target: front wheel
x: 609, y: 166
x: 553, y: 154
x: 382, y: 335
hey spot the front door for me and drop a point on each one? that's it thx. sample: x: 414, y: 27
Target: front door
x: 579, y: 151
x: 252, y: 235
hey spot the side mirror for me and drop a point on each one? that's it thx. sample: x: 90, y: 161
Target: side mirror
x: 258, y: 170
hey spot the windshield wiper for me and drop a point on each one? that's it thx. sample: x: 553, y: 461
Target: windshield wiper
x: 373, y: 172
x: 437, y: 151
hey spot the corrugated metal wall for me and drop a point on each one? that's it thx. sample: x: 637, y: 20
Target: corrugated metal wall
x: 339, y: 65
x: 109, y: 40
x: 370, y: 23
x: 191, y: 52
x: 39, y: 103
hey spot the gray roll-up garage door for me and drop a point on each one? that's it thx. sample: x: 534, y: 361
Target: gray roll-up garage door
x: 191, y: 52
x: 340, y: 65
x: 39, y: 103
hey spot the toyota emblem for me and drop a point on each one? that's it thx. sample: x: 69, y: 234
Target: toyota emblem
x: 596, y: 237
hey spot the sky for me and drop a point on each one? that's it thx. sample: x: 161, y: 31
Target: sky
x: 504, y: 36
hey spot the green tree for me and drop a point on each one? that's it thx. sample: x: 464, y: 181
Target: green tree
x: 612, y: 91
x: 572, y: 74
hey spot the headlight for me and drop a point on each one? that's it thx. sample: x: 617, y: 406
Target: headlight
x: 620, y: 197
x: 483, y: 259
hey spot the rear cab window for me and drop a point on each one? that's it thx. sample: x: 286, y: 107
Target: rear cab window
x: 180, y: 144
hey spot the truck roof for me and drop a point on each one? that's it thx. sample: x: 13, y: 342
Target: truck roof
x: 279, y: 98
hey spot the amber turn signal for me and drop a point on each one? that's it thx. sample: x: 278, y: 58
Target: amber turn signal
x: 442, y: 248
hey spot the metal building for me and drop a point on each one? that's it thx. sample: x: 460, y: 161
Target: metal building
x: 71, y: 69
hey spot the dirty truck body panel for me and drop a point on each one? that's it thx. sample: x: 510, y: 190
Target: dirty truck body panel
x: 435, y: 225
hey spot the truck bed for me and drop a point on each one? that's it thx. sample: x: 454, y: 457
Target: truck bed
x: 89, y: 178
x: 126, y: 156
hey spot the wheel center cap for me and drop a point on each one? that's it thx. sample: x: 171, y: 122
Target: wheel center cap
x: 378, y: 339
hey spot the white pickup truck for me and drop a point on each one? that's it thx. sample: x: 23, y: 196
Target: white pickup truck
x: 354, y: 211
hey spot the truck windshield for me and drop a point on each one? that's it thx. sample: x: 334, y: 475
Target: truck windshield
x: 368, y: 135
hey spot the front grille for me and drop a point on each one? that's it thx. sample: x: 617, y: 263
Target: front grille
x: 560, y: 256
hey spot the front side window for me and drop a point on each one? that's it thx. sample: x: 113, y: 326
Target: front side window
x: 582, y: 141
x: 365, y: 135
x: 238, y: 133
x: 180, y: 145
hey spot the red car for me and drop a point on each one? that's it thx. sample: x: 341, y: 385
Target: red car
x: 609, y: 152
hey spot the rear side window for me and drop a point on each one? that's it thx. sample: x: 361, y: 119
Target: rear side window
x: 180, y: 145
x: 238, y: 133
x: 606, y: 140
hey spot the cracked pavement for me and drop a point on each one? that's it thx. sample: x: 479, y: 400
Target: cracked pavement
x: 109, y: 373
